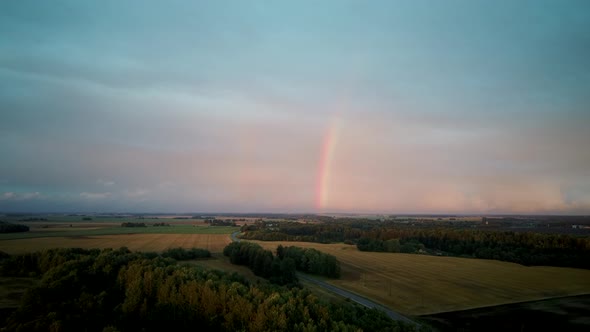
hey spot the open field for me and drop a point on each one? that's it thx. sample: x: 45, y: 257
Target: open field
x: 419, y: 284
x: 93, y: 229
x: 141, y: 242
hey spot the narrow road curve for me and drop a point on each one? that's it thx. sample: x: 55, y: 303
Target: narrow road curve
x: 234, y: 236
x: 356, y: 298
x: 346, y: 294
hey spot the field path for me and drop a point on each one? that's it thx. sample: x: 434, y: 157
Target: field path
x: 234, y: 237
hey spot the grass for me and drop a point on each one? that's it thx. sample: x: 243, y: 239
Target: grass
x: 420, y: 284
x: 140, y: 242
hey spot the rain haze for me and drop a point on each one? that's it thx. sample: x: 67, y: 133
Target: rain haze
x: 295, y: 106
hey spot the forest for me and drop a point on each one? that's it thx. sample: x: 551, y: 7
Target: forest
x: 311, y: 261
x: 133, y: 224
x: 218, y: 222
x: 527, y: 248
x: 280, y: 269
x: 6, y: 227
x: 120, y: 290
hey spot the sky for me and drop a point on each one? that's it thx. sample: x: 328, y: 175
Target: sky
x: 295, y: 106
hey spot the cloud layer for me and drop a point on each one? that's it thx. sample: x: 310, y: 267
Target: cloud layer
x: 224, y: 106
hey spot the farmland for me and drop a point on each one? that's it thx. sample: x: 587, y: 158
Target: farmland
x: 139, y: 242
x: 419, y: 284
x: 408, y: 283
x: 110, y: 234
x: 93, y: 229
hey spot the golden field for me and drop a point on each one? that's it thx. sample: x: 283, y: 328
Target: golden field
x: 419, y: 284
x: 409, y: 283
x: 140, y: 242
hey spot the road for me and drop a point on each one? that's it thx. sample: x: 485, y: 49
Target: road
x: 356, y: 298
x: 346, y: 294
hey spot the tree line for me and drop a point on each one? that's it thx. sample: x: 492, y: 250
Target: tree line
x: 218, y: 222
x: 182, y: 254
x: 6, y: 227
x: 262, y: 262
x: 528, y: 248
x: 311, y: 261
x: 280, y: 269
x: 120, y: 290
x: 133, y: 224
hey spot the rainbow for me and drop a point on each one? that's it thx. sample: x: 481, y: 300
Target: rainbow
x: 325, y: 166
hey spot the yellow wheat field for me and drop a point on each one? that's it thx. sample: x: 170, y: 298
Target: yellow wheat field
x: 140, y: 242
x: 420, y: 284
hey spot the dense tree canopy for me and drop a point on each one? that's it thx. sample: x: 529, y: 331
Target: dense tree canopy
x: 311, y: 261
x: 118, y: 290
x: 262, y: 262
x: 182, y: 254
x: 281, y: 268
x: 133, y: 224
x: 6, y: 227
